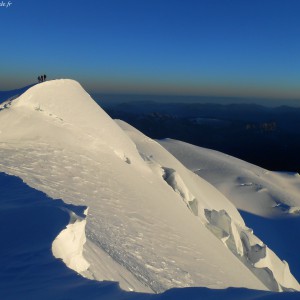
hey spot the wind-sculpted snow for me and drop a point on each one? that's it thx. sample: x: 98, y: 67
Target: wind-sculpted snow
x: 29, y: 222
x: 175, y: 181
x: 239, y: 239
x: 147, y: 225
x: 263, y: 262
x: 30, y: 272
x: 68, y: 245
x: 268, y: 201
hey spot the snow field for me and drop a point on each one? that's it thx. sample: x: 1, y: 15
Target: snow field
x: 152, y: 224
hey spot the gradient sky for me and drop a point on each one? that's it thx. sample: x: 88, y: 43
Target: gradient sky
x: 187, y: 47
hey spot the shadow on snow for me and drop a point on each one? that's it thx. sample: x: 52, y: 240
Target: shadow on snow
x: 30, y: 221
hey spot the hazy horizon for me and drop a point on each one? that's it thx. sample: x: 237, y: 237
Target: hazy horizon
x: 116, y: 98
x: 204, y: 47
x: 107, y: 98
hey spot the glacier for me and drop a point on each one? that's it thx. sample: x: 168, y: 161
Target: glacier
x: 135, y: 214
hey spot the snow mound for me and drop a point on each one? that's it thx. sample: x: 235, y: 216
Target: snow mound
x: 61, y: 107
x: 152, y: 224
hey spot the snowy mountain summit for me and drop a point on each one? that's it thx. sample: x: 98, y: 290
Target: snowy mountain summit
x: 136, y: 215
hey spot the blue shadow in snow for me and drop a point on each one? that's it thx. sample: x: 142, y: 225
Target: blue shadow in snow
x: 30, y: 221
x: 5, y: 95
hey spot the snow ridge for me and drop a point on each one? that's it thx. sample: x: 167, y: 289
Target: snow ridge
x: 237, y: 237
x: 156, y: 223
x: 240, y: 240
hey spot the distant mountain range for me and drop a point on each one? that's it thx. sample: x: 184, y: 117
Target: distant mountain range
x: 108, y: 99
x: 236, y: 129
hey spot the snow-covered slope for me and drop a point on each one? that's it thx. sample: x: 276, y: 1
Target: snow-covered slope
x: 222, y: 221
x: 10, y: 95
x: 274, y: 192
x: 151, y: 224
x: 29, y: 271
x: 269, y: 201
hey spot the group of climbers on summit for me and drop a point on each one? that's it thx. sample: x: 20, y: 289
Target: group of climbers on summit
x: 42, y: 78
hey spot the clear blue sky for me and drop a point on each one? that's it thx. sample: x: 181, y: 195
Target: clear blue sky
x: 194, y: 47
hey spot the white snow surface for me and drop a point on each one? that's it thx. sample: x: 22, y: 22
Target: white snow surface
x: 269, y: 199
x: 223, y: 222
x: 151, y: 223
x: 250, y: 188
x: 68, y: 245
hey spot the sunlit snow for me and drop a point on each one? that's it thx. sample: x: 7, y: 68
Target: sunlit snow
x: 146, y: 221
